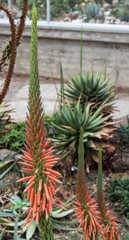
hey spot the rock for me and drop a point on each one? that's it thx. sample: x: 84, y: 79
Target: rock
x: 66, y: 19
x: 106, y: 22
x: 92, y: 20
x: 19, y: 157
x: 78, y: 20
x: 14, y: 12
x: 107, y: 13
x: 3, y: 14
x: 106, y: 5
x: 117, y: 21
x: 73, y: 17
x: 4, y: 153
x: 115, y: 2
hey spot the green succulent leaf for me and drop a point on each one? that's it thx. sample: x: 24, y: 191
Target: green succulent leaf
x: 31, y: 230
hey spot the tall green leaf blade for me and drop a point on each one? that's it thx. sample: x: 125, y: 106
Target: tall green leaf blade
x: 5, y: 172
x: 2, y: 185
x: 63, y: 214
x: 6, y: 215
x: 2, y: 234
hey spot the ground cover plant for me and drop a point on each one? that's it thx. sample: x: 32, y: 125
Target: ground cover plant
x: 119, y: 192
x: 122, y: 138
x: 14, y: 136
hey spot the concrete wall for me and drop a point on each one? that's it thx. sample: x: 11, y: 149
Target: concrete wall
x: 104, y: 46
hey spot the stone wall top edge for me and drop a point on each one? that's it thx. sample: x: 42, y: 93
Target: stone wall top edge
x: 68, y: 26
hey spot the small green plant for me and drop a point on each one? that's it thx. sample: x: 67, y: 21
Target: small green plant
x: 109, y: 1
x: 122, y: 135
x: 119, y: 192
x: 15, y: 138
x: 99, y: 2
x: 4, y: 116
x: 123, y: 14
x: 91, y: 11
x: 59, y: 8
x: 9, y: 163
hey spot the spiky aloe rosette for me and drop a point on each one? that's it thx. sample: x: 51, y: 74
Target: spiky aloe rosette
x: 110, y: 231
x: 85, y: 208
x: 38, y: 157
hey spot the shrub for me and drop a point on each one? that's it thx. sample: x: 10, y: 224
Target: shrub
x: 122, y: 134
x: 109, y: 1
x: 119, y: 192
x: 99, y: 1
x: 123, y: 14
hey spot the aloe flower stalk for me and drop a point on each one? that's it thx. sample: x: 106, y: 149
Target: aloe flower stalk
x: 110, y: 231
x: 38, y: 158
x: 85, y: 208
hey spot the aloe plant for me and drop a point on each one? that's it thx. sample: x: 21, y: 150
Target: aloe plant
x: 92, y: 89
x: 67, y: 128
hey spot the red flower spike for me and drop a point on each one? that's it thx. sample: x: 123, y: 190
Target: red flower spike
x: 38, y: 155
x: 85, y: 208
